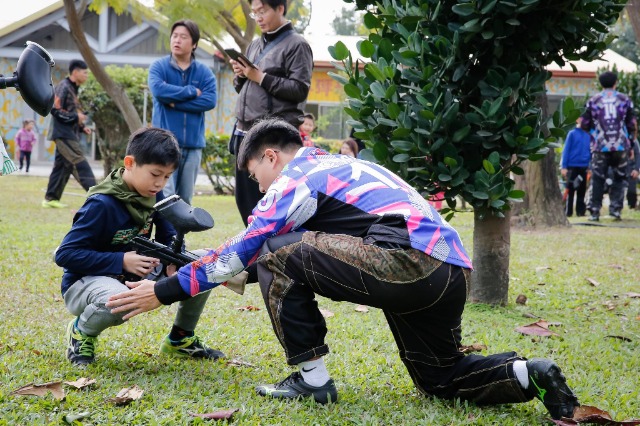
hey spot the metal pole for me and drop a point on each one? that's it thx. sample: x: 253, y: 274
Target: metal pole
x: 144, y: 106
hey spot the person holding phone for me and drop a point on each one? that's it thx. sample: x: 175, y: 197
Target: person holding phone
x: 277, y: 85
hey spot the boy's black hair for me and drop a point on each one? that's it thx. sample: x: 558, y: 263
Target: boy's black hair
x: 77, y: 64
x: 309, y: 115
x: 151, y: 145
x: 193, y: 29
x: 270, y: 133
x: 273, y: 4
x: 608, y: 79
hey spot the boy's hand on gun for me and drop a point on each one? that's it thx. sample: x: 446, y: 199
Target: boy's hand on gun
x: 138, y: 264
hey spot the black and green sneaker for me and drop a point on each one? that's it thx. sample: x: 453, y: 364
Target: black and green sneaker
x: 189, y: 347
x: 294, y: 387
x: 548, y: 384
x: 81, y: 347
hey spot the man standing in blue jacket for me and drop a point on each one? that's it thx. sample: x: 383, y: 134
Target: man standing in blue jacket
x: 183, y: 90
x: 576, y: 155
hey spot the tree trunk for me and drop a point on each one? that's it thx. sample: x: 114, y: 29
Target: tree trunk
x: 543, y: 198
x: 633, y: 12
x: 118, y: 95
x: 491, y: 247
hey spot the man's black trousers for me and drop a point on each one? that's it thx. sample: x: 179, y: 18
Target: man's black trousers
x: 421, y: 297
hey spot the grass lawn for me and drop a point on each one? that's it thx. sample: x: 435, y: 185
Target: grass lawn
x: 551, y: 267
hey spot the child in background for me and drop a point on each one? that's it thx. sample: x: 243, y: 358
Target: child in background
x: 306, y: 128
x: 349, y: 147
x: 576, y: 156
x: 25, y: 139
x: 97, y: 256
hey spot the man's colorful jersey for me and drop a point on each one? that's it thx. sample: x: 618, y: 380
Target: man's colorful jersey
x: 609, y: 116
x: 333, y: 194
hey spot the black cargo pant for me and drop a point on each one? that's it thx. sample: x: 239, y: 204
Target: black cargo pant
x: 600, y: 164
x: 422, y: 299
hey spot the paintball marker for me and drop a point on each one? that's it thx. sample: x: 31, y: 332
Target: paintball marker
x: 184, y: 219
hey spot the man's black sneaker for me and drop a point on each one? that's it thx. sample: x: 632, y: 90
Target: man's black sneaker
x: 81, y: 347
x: 594, y: 218
x: 189, y: 347
x: 294, y: 386
x: 548, y: 384
x: 616, y: 216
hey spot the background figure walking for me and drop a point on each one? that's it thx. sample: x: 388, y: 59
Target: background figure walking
x: 183, y: 90
x: 25, y: 139
x: 68, y: 121
x: 576, y: 155
x: 277, y: 87
x: 609, y: 115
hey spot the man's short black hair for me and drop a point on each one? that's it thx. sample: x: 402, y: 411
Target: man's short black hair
x: 608, y: 79
x: 273, y: 4
x: 270, y: 133
x: 192, y: 27
x: 151, y: 145
x: 77, y: 64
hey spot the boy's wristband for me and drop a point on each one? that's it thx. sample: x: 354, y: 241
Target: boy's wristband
x: 168, y: 290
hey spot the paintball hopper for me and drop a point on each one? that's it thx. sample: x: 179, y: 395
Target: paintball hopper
x: 182, y: 216
x: 32, y: 78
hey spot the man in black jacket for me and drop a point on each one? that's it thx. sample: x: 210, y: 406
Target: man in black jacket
x: 68, y: 122
x: 277, y: 86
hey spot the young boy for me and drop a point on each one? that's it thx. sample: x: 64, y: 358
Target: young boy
x: 351, y: 230
x: 97, y: 257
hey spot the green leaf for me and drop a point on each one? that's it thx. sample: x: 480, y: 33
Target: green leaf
x: 374, y: 71
x: 366, y: 48
x: 401, y: 158
x: 339, y: 78
x: 377, y: 90
x: 380, y: 151
x: 480, y: 195
x: 451, y: 162
x: 516, y: 193
x: 443, y: 177
x: 462, y: 133
x: 339, y: 52
x: 352, y: 90
x: 393, y: 110
x: 429, y: 115
x: 486, y: 164
x: 402, y: 145
x: 464, y: 9
x: 387, y: 122
x: 367, y: 155
x: 525, y: 130
x: 371, y: 21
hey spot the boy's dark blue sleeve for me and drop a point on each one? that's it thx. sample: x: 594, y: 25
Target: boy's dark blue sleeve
x: 86, y: 247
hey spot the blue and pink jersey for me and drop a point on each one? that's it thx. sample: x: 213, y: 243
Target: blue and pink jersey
x: 610, y: 118
x: 333, y: 194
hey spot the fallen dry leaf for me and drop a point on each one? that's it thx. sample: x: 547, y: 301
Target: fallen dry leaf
x: 625, y: 339
x: 126, y: 396
x: 326, y: 313
x: 588, y: 414
x: 41, y: 390
x: 239, y: 363
x: 217, y: 415
x: 632, y: 295
x: 70, y: 418
x: 593, y: 282
x: 539, y: 328
x: 476, y: 347
x: 543, y: 268
x: 609, y: 305
x: 614, y: 266
x: 248, y: 308
x: 521, y: 299
x: 36, y: 352
x: 362, y: 308
x: 81, y: 383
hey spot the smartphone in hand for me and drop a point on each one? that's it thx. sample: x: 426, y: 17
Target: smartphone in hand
x: 237, y: 56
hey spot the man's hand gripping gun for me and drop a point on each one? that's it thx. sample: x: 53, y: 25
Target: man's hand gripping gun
x: 184, y: 219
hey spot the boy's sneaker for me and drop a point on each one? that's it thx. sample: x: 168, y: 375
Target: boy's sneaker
x: 81, y: 347
x: 548, y: 384
x: 294, y: 387
x: 53, y: 204
x: 189, y: 347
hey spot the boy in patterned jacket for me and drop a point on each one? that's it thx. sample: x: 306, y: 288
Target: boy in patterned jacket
x: 351, y: 230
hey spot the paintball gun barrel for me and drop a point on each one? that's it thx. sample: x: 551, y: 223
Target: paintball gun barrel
x: 184, y: 219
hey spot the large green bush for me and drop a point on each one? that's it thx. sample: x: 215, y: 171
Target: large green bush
x: 219, y: 164
x: 112, y: 130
